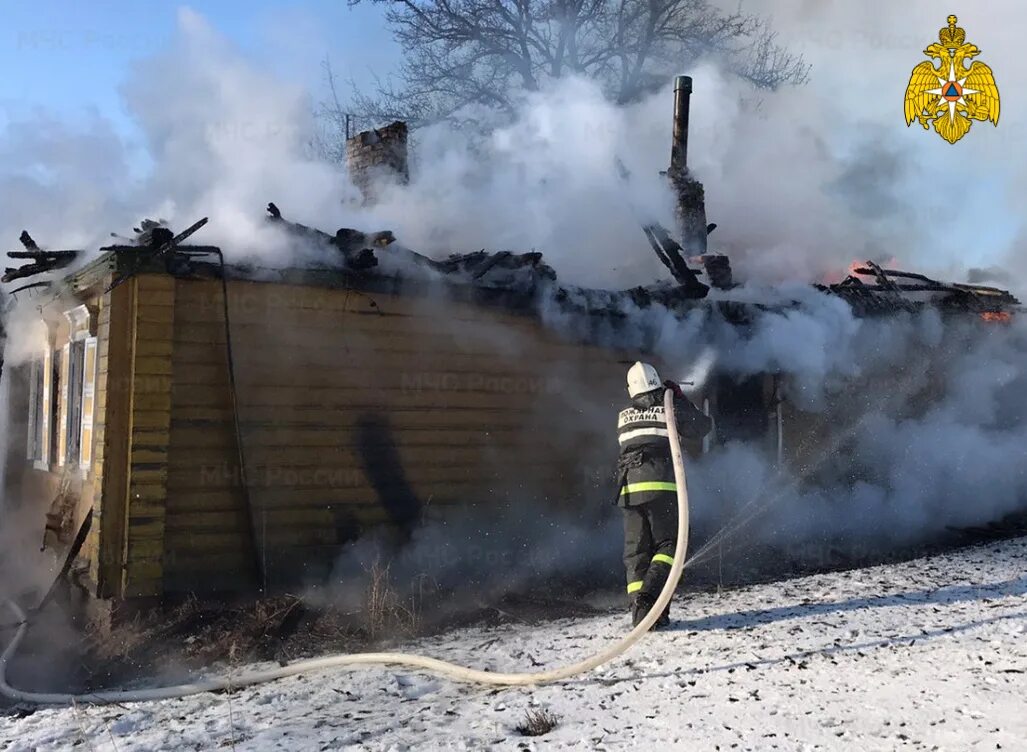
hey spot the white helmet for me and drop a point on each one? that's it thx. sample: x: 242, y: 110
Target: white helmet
x: 642, y: 378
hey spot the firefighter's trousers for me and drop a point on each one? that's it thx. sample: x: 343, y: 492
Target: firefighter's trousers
x: 650, y: 533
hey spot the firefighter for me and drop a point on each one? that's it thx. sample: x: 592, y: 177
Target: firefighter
x: 646, y: 488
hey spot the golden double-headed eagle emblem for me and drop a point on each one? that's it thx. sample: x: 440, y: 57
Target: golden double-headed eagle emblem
x: 951, y: 95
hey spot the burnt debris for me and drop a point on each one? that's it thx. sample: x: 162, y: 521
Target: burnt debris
x: 524, y: 277
x: 669, y: 251
x: 357, y: 248
x: 894, y: 290
x: 155, y: 243
x: 516, y: 272
x: 718, y: 270
x: 40, y: 260
x: 525, y: 280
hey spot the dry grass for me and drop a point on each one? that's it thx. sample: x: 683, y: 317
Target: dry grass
x: 201, y: 633
x: 111, y: 644
x: 537, y: 722
x: 378, y: 600
x: 386, y: 612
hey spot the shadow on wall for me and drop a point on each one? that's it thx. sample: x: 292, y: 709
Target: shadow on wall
x: 383, y: 467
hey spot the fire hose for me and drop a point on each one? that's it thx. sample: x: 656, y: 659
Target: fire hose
x: 451, y: 670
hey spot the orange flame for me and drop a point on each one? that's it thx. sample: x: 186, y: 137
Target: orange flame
x: 834, y: 277
x: 997, y: 317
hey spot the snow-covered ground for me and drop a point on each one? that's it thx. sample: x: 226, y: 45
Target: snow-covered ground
x: 930, y: 654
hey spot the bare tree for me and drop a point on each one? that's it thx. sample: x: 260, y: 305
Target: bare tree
x: 485, y: 52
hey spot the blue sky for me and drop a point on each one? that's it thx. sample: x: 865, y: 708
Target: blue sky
x: 70, y: 56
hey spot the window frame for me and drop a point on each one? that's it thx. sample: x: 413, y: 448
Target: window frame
x: 81, y: 356
x: 87, y: 412
x: 41, y: 415
x: 62, y: 397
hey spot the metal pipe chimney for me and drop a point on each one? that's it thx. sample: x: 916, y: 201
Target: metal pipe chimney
x: 679, y: 145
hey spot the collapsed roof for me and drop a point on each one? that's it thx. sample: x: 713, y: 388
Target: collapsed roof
x: 892, y: 290
x: 376, y: 261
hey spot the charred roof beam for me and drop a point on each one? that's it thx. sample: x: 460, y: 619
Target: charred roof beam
x: 969, y: 295
x: 41, y: 259
x: 668, y: 251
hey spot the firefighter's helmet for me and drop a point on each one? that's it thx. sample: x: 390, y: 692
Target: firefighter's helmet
x: 642, y: 378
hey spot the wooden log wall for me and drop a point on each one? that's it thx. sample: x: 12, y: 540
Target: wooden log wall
x: 361, y: 410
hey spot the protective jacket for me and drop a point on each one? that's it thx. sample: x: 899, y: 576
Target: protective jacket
x: 644, y: 468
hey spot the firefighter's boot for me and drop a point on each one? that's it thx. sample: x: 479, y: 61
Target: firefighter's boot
x: 664, y: 621
x: 640, y: 606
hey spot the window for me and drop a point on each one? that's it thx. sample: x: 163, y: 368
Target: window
x: 89, y: 359
x: 43, y: 410
x: 35, y: 409
x: 70, y: 412
x: 77, y: 395
x: 57, y: 379
x: 74, y: 428
x: 62, y: 389
x: 78, y: 403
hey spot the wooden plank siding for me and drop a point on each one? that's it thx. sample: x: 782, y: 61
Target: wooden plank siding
x: 116, y: 335
x: 150, y: 422
x: 357, y: 411
x: 94, y: 549
x: 131, y: 430
x: 213, y: 552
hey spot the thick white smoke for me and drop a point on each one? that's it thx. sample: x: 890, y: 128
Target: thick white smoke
x: 24, y: 567
x: 827, y: 173
x: 926, y: 419
x: 801, y: 182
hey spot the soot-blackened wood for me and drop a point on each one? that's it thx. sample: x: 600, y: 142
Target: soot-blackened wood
x: 150, y: 255
x: 357, y: 247
x: 972, y: 297
x: 46, y: 264
x: 669, y: 252
x: 42, y: 259
x: 26, y: 240
x: 70, y: 255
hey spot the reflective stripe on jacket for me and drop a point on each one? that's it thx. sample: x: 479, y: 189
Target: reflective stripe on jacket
x: 645, y: 471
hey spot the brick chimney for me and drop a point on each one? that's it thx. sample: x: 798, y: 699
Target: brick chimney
x: 378, y: 154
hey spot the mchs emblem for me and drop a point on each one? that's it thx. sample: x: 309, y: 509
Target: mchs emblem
x: 953, y: 94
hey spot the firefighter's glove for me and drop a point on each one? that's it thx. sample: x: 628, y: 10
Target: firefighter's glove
x: 674, y: 387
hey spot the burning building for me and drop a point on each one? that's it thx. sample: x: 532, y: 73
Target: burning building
x: 196, y: 427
